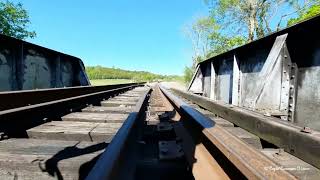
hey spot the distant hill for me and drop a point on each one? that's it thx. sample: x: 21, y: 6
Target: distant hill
x: 99, y: 72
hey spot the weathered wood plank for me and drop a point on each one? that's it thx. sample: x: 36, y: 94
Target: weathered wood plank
x: 112, y: 103
x: 133, y: 92
x: 104, y: 132
x: 123, y: 98
x: 46, y: 159
x: 158, y: 110
x: 79, y: 131
x: 102, y: 109
x: 129, y: 95
x: 141, y: 89
x: 40, y: 146
x: 95, y: 117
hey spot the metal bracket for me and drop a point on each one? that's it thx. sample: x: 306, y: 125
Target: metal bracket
x: 288, y: 86
x: 164, y: 126
x: 169, y: 150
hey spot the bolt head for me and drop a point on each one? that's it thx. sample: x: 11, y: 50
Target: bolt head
x: 306, y: 130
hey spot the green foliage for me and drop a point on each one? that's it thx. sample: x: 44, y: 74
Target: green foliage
x: 100, y: 82
x: 14, y: 20
x: 220, y: 44
x: 208, y: 41
x: 253, y: 18
x: 98, y: 72
x: 309, y: 13
x: 188, y: 73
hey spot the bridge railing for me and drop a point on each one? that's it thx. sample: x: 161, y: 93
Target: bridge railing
x: 28, y: 66
x: 278, y: 75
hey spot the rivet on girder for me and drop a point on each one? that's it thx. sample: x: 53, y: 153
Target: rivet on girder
x: 306, y: 129
x: 280, y: 152
x: 164, y: 150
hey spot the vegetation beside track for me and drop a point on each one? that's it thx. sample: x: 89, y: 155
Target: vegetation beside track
x: 99, y: 75
x: 100, y: 82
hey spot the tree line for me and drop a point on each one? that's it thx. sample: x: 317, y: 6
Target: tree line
x: 232, y: 23
x: 99, y: 72
x: 14, y: 20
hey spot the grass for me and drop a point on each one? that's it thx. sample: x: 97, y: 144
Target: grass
x: 100, y: 82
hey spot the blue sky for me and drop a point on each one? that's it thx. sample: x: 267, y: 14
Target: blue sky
x: 128, y: 34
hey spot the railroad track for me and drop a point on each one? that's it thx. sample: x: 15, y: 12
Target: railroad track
x: 133, y: 132
x: 59, y: 133
x: 290, y: 148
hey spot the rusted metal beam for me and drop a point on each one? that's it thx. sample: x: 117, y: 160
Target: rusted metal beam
x: 304, y: 145
x: 110, y: 162
x: 202, y: 163
x: 250, y: 162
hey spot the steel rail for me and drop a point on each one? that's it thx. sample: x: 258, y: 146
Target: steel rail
x: 250, y: 162
x: 14, y: 99
x: 109, y: 164
x: 29, y: 116
x: 304, y: 145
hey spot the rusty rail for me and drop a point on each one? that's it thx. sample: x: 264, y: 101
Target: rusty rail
x: 249, y: 161
x: 111, y: 162
x: 283, y: 134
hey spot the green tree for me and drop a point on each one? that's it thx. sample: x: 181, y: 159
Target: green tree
x: 207, y: 41
x: 99, y: 72
x: 248, y: 18
x: 14, y: 20
x: 314, y: 10
x: 188, y: 73
x: 222, y: 43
